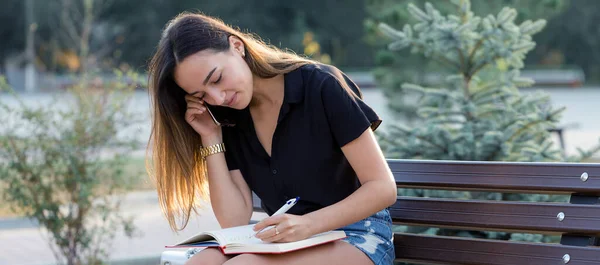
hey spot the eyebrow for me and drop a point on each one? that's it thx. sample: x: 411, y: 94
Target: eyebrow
x: 209, y: 75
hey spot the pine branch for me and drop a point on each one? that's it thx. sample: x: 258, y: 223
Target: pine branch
x: 493, y: 154
x: 466, y: 93
x: 413, y: 153
x: 481, y: 66
x: 442, y: 59
x: 585, y: 155
x: 438, y: 56
x: 467, y: 114
x: 463, y: 70
x: 461, y: 56
x: 489, y: 85
x: 491, y: 111
x: 475, y: 48
x: 442, y: 148
x: 511, y: 138
x: 522, y: 129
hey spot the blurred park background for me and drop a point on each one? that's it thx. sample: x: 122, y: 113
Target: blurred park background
x: 76, y: 119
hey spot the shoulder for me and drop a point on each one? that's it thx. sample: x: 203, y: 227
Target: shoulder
x: 319, y: 76
x: 341, y: 102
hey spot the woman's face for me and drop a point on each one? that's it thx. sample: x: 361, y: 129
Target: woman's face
x: 219, y: 78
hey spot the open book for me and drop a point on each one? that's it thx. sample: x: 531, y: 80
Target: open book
x: 240, y: 239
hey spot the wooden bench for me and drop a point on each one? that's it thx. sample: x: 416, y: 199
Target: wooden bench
x: 577, y: 222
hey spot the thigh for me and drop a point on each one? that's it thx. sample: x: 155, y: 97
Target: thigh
x: 208, y: 256
x: 334, y: 253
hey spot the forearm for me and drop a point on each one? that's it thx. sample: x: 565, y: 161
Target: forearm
x: 367, y: 200
x: 227, y: 201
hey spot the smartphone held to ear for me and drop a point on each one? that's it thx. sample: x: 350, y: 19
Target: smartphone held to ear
x: 222, y: 116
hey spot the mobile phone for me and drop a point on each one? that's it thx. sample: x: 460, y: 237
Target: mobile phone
x: 222, y: 116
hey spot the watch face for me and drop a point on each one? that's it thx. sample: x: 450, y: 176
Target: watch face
x: 222, y: 116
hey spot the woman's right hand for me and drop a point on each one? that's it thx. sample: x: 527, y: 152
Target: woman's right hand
x: 198, y: 117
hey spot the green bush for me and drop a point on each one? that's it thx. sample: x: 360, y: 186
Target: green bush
x: 62, y: 165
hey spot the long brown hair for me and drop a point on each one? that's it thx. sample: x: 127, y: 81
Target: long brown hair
x: 174, y: 163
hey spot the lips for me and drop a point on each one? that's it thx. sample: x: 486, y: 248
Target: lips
x: 231, y: 100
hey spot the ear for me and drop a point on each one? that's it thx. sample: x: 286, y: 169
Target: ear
x: 237, y: 45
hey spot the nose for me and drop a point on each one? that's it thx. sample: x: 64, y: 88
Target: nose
x: 216, y: 95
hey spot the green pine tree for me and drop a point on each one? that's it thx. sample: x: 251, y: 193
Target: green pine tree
x: 394, y: 68
x: 478, y: 114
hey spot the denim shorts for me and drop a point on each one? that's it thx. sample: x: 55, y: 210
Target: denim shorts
x: 373, y: 236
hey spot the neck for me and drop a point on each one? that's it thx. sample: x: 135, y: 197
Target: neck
x: 267, y: 92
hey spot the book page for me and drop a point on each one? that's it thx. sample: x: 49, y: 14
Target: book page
x: 255, y: 245
x: 238, y: 234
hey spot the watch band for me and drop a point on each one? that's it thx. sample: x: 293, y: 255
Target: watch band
x: 212, y: 149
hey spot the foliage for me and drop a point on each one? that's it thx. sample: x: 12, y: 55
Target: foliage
x: 393, y: 69
x: 125, y: 38
x: 62, y: 164
x: 478, y: 113
x: 312, y: 48
x: 572, y: 39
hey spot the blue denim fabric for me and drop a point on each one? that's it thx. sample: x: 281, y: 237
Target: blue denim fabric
x: 373, y: 236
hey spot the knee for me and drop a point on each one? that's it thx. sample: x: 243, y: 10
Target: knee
x: 244, y: 259
x: 207, y: 256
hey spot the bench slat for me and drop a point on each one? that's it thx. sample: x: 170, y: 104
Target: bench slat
x: 539, y: 177
x: 467, y: 251
x: 498, y: 215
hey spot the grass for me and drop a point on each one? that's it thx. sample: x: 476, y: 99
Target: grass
x: 134, y: 168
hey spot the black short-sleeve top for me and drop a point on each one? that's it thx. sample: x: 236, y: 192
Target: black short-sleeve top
x: 322, y: 111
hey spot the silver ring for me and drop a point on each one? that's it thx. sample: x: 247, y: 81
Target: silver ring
x: 276, y: 231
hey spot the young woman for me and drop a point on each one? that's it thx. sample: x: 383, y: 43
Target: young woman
x: 296, y: 128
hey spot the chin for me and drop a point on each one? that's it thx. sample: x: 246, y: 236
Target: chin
x: 241, y: 102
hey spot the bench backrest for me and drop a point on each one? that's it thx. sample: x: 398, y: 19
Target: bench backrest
x: 577, y: 222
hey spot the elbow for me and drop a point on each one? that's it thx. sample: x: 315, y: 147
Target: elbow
x: 393, y: 195
x: 384, y: 191
x: 388, y: 192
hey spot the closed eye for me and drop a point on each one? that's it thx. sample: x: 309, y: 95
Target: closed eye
x: 219, y: 80
x: 198, y: 94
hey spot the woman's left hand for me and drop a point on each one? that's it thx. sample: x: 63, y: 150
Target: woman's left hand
x: 290, y: 227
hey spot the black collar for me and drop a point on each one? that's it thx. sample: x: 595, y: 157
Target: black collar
x: 293, y: 94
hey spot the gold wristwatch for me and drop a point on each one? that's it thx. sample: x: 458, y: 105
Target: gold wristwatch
x: 212, y: 149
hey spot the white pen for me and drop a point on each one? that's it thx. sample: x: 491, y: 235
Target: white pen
x: 282, y: 210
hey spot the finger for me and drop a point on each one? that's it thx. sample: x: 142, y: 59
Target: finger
x: 189, y: 98
x: 196, y: 105
x: 195, y: 111
x: 267, y: 232
x: 270, y: 231
x: 283, y: 233
x: 190, y: 114
x: 273, y: 220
